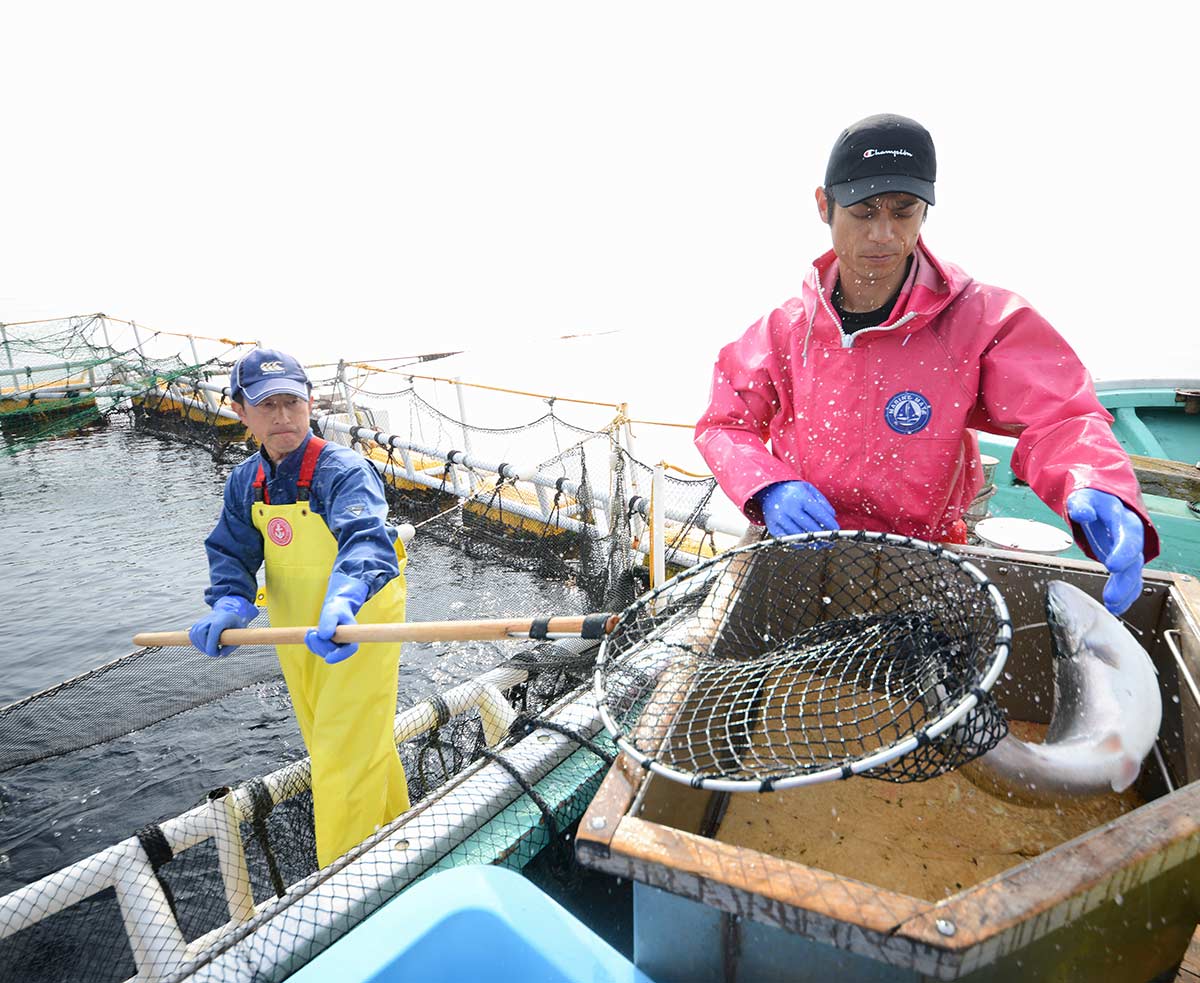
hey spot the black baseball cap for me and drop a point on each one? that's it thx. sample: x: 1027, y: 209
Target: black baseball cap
x: 880, y: 154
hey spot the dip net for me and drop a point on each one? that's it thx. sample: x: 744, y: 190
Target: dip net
x: 807, y: 659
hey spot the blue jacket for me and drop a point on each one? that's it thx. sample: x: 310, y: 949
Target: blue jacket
x: 347, y: 492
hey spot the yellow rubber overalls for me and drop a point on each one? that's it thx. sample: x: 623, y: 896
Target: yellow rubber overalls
x: 345, y: 710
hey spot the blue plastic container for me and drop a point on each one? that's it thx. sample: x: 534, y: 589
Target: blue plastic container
x: 471, y: 923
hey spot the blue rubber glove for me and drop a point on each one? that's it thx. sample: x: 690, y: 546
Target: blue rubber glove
x: 343, y: 598
x: 1116, y: 536
x: 795, y: 506
x: 230, y: 611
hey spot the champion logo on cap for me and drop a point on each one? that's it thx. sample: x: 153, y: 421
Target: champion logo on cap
x: 882, y: 154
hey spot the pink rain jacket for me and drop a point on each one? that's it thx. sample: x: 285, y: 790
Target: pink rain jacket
x: 881, y: 422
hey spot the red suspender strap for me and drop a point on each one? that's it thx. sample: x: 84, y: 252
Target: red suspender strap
x: 309, y: 464
x: 260, y: 486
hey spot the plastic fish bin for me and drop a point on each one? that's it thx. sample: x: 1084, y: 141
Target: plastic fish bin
x: 472, y: 923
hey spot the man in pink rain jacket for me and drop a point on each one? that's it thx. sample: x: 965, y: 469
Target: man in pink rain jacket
x: 869, y: 384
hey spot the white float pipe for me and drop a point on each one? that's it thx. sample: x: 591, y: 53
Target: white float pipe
x: 281, y: 784
x: 326, y: 904
x: 47, y: 367
x: 221, y: 411
x: 125, y: 866
x: 154, y: 935
x: 231, y: 857
x: 23, y: 395
x: 462, y: 423
x: 212, y: 387
x: 212, y: 404
x: 705, y: 521
x: 658, y: 563
x: 155, y: 939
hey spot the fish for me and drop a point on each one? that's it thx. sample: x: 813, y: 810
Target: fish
x: 1106, y: 717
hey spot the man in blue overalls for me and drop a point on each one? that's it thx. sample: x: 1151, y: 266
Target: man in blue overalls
x: 315, y: 513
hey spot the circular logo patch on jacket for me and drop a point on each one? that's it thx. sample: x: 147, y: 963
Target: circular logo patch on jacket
x: 279, y: 531
x: 907, y: 412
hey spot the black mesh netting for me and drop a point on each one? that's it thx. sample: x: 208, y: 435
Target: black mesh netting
x: 499, y: 766
x: 89, y: 940
x: 782, y: 660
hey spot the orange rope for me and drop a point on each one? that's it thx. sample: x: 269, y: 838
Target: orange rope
x: 676, y: 468
x: 660, y: 423
x: 180, y: 334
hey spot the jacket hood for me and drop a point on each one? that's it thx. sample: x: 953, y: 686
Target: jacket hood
x: 930, y: 288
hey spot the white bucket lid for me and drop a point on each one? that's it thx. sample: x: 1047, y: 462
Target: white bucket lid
x: 1022, y: 534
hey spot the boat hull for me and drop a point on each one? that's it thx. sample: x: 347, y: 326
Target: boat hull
x: 1122, y: 900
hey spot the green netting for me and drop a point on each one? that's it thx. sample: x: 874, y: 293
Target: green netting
x: 58, y: 376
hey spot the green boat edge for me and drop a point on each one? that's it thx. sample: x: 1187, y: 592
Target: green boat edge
x: 1150, y: 421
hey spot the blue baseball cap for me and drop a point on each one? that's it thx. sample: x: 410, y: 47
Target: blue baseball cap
x: 267, y: 372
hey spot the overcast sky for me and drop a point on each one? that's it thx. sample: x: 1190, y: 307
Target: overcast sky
x: 366, y: 180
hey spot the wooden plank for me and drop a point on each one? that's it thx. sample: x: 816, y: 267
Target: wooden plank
x: 1189, y: 969
x: 800, y: 900
x: 1040, y: 896
x: 1171, y: 479
x: 1188, y: 590
x: 604, y: 814
x: 752, y: 873
x: 1179, y: 737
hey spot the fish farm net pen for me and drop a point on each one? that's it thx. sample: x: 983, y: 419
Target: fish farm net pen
x: 181, y: 891
x: 59, y: 375
x: 230, y: 889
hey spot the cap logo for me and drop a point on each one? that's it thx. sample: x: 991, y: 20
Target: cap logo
x: 880, y: 153
x: 271, y: 367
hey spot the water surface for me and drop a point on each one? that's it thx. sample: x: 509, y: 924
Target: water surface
x: 103, y: 536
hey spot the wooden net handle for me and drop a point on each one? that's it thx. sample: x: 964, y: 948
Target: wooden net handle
x: 412, y: 631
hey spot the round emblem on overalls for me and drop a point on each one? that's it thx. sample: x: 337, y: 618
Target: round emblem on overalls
x: 907, y: 412
x: 280, y: 531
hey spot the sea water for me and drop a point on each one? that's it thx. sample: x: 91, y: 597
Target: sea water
x: 103, y: 536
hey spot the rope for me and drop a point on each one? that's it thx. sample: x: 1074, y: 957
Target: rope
x: 261, y: 806
x: 527, y: 725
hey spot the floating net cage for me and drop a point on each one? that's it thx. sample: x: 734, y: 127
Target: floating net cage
x: 60, y: 375
x: 807, y: 659
x: 237, y: 875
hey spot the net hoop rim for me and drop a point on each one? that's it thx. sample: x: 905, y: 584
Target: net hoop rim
x: 897, y: 749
